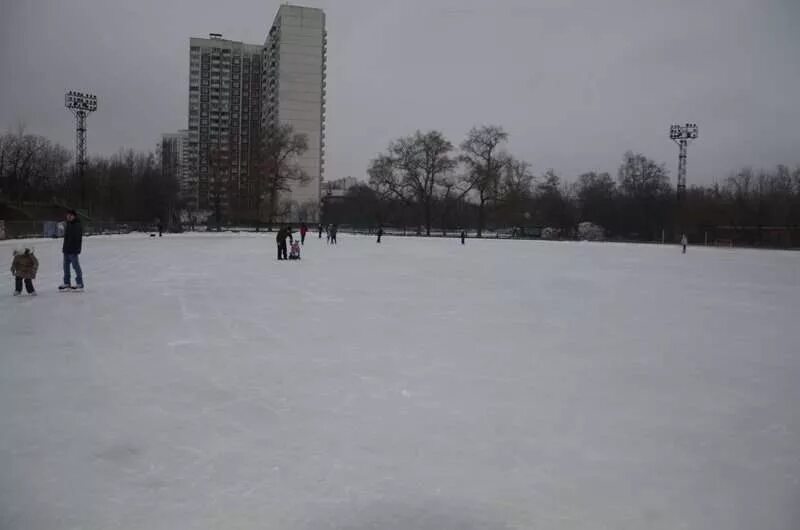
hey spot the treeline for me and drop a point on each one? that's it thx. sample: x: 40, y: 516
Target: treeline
x: 424, y: 181
x: 127, y: 186
x: 421, y: 182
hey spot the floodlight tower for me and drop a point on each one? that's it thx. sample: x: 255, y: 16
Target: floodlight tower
x: 682, y: 135
x: 81, y: 106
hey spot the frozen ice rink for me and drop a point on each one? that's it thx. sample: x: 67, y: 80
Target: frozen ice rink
x: 417, y: 385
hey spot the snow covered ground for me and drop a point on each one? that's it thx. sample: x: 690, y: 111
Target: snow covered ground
x: 199, y: 383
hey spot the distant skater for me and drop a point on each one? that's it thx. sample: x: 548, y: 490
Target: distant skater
x: 463, y: 236
x: 73, y: 241
x: 684, y: 242
x: 283, y: 234
x: 380, y: 233
x: 328, y: 230
x: 333, y: 232
x: 24, y: 268
x: 303, y: 231
x: 320, y: 231
x: 160, y: 228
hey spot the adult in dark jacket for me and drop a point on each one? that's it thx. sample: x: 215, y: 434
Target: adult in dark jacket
x: 73, y: 241
x: 380, y: 233
x: 283, y: 234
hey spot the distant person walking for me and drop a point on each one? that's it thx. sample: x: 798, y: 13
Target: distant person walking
x: 333, y: 232
x: 283, y: 234
x: 303, y: 231
x: 24, y: 267
x: 73, y: 241
x: 380, y: 233
x: 684, y: 242
x: 320, y: 230
x: 463, y: 236
x: 160, y: 228
x: 328, y: 230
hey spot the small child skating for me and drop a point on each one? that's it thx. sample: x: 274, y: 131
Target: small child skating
x: 24, y: 268
x: 294, y: 253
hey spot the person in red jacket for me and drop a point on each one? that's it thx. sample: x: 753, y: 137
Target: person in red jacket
x: 303, y: 231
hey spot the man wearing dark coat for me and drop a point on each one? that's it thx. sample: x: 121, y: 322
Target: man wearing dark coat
x: 283, y: 234
x: 73, y: 241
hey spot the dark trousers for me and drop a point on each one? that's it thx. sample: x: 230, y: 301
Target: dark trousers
x: 282, y: 251
x: 379, y: 238
x: 302, y: 238
x: 333, y: 239
x: 18, y: 285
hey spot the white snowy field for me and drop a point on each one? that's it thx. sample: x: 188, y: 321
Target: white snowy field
x: 198, y: 383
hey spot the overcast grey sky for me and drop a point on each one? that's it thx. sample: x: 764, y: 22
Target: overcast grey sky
x: 575, y: 82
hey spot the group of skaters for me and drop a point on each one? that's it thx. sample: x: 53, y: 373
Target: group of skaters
x: 289, y: 247
x: 25, y: 265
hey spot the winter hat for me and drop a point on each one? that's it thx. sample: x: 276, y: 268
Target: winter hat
x: 72, y: 212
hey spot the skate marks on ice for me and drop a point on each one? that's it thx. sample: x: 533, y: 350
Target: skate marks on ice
x: 411, y: 513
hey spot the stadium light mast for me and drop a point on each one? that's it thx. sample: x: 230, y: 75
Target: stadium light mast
x: 81, y: 105
x: 682, y: 135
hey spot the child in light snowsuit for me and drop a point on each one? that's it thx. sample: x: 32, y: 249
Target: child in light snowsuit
x: 24, y: 268
x: 295, y: 252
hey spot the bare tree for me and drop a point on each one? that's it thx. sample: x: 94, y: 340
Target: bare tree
x: 484, y: 164
x: 517, y: 178
x: 412, y: 170
x: 596, y: 194
x: 276, y: 168
x: 515, y: 192
x: 645, y: 188
x: 31, y: 166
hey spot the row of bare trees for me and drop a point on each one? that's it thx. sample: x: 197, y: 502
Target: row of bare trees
x: 127, y: 186
x: 131, y: 186
x: 423, y: 180
x: 422, y: 168
x: 30, y: 166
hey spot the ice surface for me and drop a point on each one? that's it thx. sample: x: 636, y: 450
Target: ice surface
x: 417, y: 384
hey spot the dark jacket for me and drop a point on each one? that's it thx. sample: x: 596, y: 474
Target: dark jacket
x: 25, y: 265
x: 73, y: 237
x: 283, y: 234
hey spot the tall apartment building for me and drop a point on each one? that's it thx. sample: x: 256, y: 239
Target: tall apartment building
x: 235, y: 89
x: 294, y: 88
x: 225, y: 79
x: 175, y: 157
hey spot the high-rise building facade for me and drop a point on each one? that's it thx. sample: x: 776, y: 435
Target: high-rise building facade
x: 236, y: 90
x: 175, y: 157
x: 294, y: 89
x: 224, y: 119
